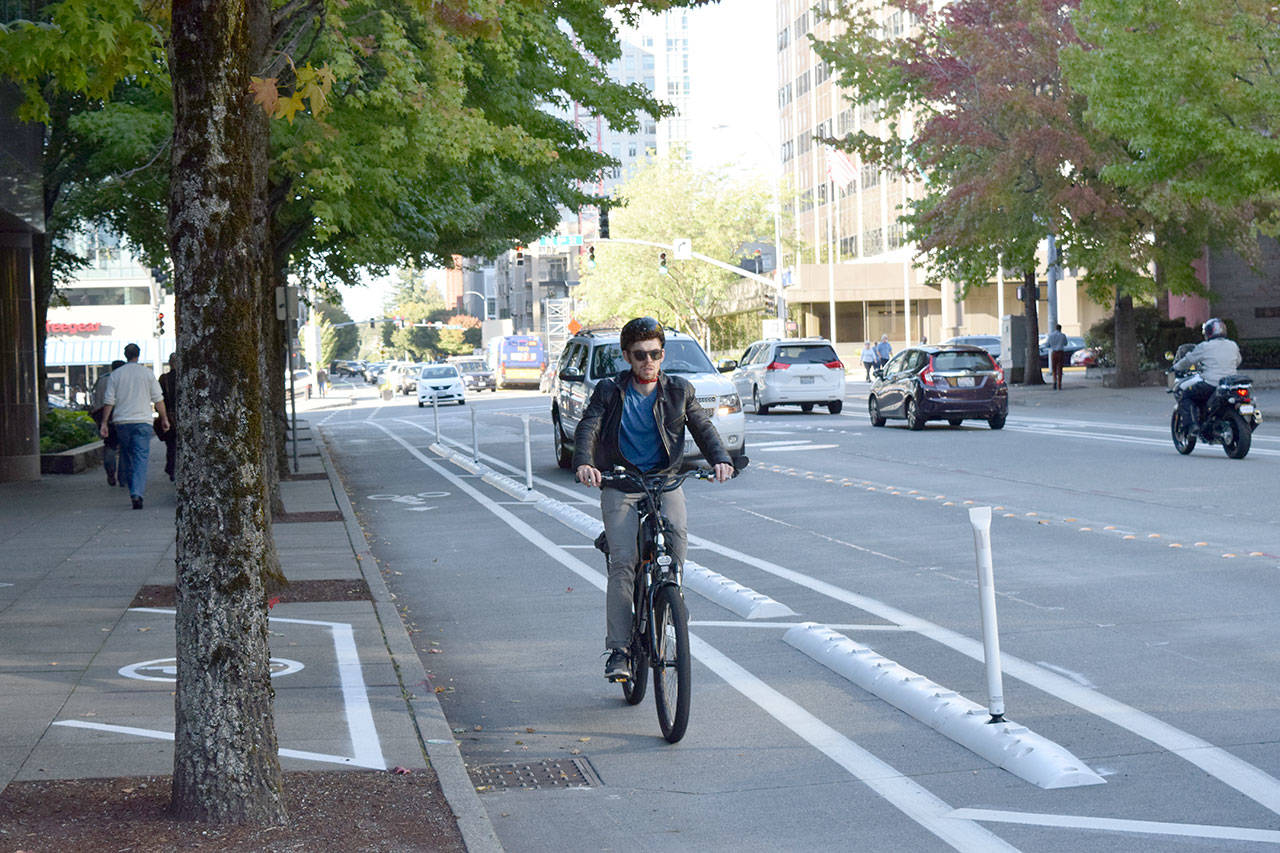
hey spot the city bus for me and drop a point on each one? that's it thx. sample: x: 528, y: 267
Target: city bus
x: 517, y: 360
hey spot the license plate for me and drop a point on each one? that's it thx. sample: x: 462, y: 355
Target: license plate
x: 1246, y: 410
x: 966, y: 382
x: 806, y: 380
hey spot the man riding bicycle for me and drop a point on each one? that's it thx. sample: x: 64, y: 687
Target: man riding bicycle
x: 637, y: 420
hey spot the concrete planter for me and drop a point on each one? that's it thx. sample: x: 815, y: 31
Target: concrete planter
x: 74, y: 461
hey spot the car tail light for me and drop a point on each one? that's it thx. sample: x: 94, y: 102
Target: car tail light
x: 1243, y: 394
x: 776, y: 365
x: 926, y: 375
x: 998, y: 369
x: 838, y: 364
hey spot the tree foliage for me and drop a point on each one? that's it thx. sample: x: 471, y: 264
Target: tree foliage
x: 665, y: 199
x: 1194, y: 88
x: 973, y: 104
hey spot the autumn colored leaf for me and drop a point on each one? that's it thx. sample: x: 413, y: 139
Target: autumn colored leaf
x: 265, y: 93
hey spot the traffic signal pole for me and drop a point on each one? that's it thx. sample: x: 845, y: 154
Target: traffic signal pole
x: 774, y: 284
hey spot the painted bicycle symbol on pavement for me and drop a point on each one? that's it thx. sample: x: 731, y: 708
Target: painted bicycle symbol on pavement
x: 166, y: 669
x: 414, y: 503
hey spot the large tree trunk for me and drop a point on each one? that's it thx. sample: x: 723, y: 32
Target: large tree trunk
x: 225, y: 767
x: 1126, y: 343
x: 1031, y: 374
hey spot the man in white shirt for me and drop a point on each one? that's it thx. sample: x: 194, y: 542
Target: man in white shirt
x: 131, y: 392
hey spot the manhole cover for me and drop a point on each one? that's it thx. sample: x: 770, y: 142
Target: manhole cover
x: 533, y: 775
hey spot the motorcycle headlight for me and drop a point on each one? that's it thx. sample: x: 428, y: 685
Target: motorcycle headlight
x: 728, y: 404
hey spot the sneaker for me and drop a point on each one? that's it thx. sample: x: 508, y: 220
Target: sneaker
x: 137, y: 501
x: 618, y: 667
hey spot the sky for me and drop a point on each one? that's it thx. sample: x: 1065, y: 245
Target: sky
x: 733, y: 116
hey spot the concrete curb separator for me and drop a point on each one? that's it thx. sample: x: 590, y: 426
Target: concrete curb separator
x: 1015, y: 748
x: 714, y: 586
x: 434, y: 732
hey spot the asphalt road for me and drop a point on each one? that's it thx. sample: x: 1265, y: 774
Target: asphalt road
x: 1135, y: 589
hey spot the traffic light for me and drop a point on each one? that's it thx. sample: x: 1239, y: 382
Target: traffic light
x: 519, y: 256
x: 370, y: 322
x: 662, y: 263
x: 159, y: 324
x: 604, y: 222
x: 771, y: 303
x: 591, y: 257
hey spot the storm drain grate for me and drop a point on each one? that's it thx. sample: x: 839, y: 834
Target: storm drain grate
x: 535, y: 775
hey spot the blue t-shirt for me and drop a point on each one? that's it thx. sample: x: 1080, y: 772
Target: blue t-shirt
x: 638, y: 437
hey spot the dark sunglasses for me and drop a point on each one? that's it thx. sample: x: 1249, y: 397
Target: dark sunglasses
x: 649, y: 354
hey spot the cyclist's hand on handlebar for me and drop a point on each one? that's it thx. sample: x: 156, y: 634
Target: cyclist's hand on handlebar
x: 588, y: 476
x: 724, y: 471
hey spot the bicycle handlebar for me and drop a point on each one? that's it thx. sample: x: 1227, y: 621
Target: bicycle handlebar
x: 648, y: 481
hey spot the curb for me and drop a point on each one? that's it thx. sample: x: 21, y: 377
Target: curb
x: 435, y: 735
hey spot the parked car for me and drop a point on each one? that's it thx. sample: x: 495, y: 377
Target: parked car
x: 592, y: 355
x: 1074, y: 345
x: 301, y: 385
x: 990, y: 343
x: 948, y: 382
x: 800, y: 372
x: 440, y: 382
x: 475, y: 374
x: 1084, y: 357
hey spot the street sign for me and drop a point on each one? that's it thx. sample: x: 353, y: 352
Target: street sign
x: 682, y: 248
x: 560, y: 240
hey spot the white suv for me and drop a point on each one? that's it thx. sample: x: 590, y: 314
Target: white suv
x: 592, y: 355
x: 800, y: 372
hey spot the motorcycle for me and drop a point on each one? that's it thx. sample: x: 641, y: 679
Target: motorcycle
x: 1228, y: 417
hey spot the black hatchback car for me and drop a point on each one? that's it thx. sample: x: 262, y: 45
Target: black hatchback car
x: 933, y: 383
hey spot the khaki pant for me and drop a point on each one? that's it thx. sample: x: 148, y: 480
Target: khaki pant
x: 621, y: 516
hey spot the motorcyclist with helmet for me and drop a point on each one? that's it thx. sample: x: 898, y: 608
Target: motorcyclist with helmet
x: 1217, y: 357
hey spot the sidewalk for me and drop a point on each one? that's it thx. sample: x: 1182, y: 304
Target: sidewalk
x: 86, y: 673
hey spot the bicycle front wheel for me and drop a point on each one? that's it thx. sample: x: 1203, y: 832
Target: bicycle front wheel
x: 672, y: 662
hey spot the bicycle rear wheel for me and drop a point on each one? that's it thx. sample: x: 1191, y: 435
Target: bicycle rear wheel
x: 672, y: 662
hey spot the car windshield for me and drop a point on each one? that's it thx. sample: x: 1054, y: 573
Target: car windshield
x: 439, y: 371
x: 682, y: 356
x: 805, y: 354
x: 961, y: 361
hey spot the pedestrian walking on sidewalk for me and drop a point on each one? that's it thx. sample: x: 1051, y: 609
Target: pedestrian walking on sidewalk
x: 868, y: 358
x: 883, y: 351
x: 169, y: 388
x: 131, y: 392
x: 322, y: 380
x: 111, y: 458
x: 1057, y: 344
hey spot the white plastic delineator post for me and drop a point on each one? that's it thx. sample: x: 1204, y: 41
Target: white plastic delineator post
x: 435, y: 415
x: 528, y: 456
x: 475, y: 442
x: 980, y: 519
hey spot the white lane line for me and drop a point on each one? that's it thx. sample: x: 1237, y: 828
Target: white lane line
x: 711, y: 623
x: 1146, y: 827
x: 905, y: 794
x: 794, y: 447
x: 1217, y: 762
x: 1122, y: 439
x: 156, y: 734
x: 365, y: 744
x: 758, y: 445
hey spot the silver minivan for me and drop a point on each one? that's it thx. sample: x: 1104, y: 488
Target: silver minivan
x: 800, y: 372
x: 592, y: 355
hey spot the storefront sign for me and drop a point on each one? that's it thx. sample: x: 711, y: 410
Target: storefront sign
x: 71, y: 328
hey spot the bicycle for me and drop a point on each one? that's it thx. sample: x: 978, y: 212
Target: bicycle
x: 660, y: 619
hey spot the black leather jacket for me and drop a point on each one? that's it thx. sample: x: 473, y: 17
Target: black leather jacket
x: 595, y: 441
